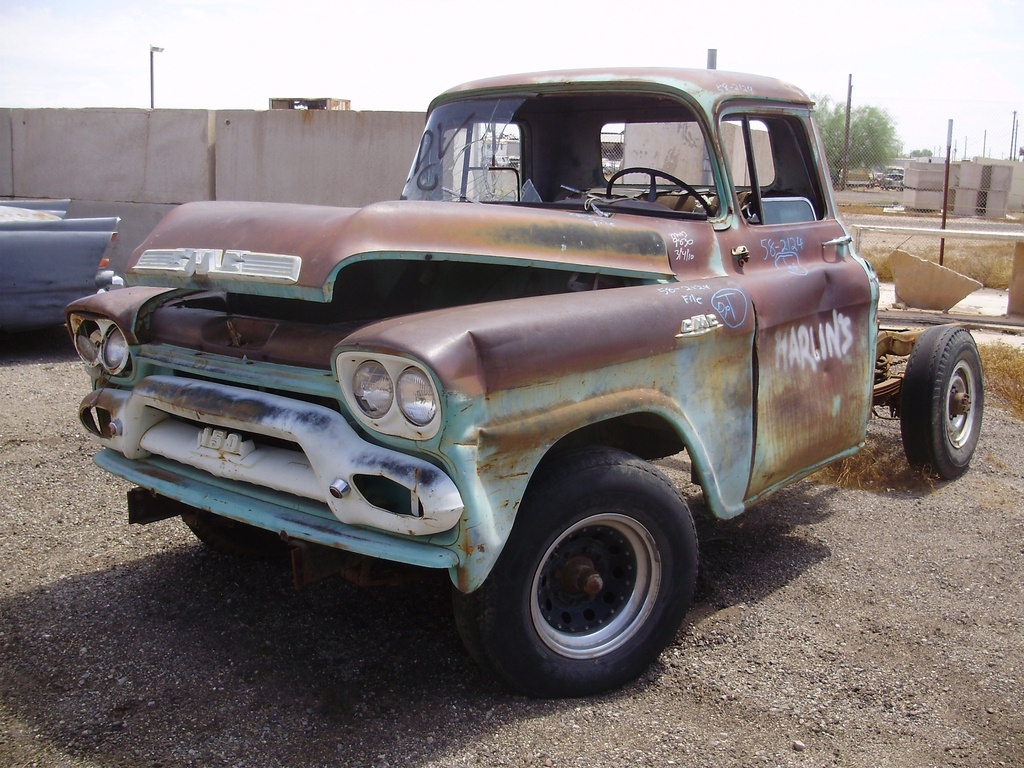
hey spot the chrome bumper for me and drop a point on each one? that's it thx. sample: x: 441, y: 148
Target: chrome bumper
x: 217, y: 428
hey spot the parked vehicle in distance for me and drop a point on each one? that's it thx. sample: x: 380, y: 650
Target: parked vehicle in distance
x: 893, y: 179
x: 46, y: 261
x: 477, y: 377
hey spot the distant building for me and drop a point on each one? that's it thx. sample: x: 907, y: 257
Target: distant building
x: 297, y: 103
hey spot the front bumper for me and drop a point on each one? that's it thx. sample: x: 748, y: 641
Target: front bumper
x: 254, y: 443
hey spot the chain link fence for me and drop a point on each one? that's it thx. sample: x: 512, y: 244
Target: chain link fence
x: 904, y: 183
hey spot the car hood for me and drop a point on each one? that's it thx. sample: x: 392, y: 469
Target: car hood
x: 297, y: 251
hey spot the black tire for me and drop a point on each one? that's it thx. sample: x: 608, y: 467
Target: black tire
x: 594, y: 581
x: 229, y: 537
x: 941, y: 402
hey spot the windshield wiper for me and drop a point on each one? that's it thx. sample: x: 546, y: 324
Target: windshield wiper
x: 459, y: 196
x: 589, y: 200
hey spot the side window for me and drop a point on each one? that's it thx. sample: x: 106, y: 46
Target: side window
x: 771, y: 164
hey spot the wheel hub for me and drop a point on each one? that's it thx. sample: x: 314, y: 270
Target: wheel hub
x: 579, y: 576
x: 595, y: 586
x: 960, y: 404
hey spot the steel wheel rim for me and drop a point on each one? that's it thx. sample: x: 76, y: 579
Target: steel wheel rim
x: 620, y: 553
x: 960, y: 410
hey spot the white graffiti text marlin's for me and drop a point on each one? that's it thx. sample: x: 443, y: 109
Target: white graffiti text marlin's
x: 806, y: 347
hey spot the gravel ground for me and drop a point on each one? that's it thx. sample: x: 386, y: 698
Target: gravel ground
x: 832, y: 627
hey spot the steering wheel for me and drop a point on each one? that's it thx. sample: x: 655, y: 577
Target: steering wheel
x: 652, y: 193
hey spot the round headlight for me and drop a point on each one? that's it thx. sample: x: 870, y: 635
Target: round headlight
x: 114, y: 352
x: 416, y: 397
x: 373, y: 389
x: 88, y: 338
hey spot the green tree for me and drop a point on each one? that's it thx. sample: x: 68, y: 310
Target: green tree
x: 921, y: 153
x: 873, y: 140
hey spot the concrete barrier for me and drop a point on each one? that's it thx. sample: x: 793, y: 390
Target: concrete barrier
x: 137, y: 164
x: 328, y: 157
x: 114, y: 155
x: 6, y: 154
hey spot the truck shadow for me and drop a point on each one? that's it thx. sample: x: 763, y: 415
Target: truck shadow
x: 749, y: 557
x: 41, y: 346
x: 191, y: 658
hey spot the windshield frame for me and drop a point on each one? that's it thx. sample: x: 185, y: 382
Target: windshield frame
x: 439, y: 151
x: 562, y: 153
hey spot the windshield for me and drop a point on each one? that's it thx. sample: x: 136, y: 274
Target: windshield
x: 469, y: 151
x: 645, y: 153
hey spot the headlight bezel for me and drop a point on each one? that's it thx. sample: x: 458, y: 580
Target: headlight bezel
x: 410, y: 401
x: 373, y: 389
x: 94, y: 338
x: 396, y: 421
x: 115, y: 342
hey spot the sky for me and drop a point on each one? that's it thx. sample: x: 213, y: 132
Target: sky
x: 925, y: 62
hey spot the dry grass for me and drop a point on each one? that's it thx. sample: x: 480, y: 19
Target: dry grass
x: 988, y: 262
x: 879, y: 466
x: 991, y: 264
x: 1004, y: 374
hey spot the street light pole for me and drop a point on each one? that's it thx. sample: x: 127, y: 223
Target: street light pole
x: 152, y: 49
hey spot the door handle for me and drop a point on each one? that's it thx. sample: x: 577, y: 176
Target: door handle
x: 741, y: 253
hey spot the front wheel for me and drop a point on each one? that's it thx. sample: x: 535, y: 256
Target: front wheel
x: 594, y: 581
x: 229, y: 537
x: 942, y: 401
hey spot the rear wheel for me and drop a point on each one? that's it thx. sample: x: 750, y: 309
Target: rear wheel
x: 594, y: 581
x: 942, y: 401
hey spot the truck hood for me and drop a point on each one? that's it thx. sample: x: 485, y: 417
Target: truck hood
x: 297, y: 251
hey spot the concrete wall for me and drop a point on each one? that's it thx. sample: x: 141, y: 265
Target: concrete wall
x: 6, y: 155
x: 138, y: 163
x: 315, y: 156
x: 117, y: 155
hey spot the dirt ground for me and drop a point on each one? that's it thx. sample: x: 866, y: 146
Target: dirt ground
x: 832, y: 627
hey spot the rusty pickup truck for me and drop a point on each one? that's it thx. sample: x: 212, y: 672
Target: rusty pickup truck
x: 585, y: 272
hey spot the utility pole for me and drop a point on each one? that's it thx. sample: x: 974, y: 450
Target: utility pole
x: 1013, y: 136
x: 844, y: 171
x: 945, y: 191
x: 152, y: 49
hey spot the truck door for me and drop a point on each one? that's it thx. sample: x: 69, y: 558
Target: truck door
x: 813, y: 301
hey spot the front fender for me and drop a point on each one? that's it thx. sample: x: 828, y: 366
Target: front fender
x: 704, y: 393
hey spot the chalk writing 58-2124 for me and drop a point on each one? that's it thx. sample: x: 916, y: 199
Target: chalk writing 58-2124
x: 785, y: 251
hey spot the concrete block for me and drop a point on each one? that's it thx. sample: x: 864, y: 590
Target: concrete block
x: 922, y: 200
x: 965, y: 202
x: 1002, y: 178
x: 993, y: 204
x: 1009, y: 178
x: 1016, y: 302
x: 315, y: 156
x: 928, y: 177
x: 926, y: 285
x: 113, y: 155
x: 971, y: 175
